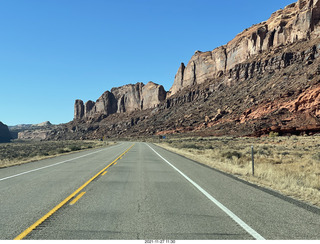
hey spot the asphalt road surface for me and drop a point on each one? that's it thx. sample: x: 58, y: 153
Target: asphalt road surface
x: 136, y: 191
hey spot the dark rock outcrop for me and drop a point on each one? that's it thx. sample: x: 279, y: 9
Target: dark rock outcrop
x: 5, y: 135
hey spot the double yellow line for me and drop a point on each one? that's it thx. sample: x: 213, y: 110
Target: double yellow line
x: 32, y: 227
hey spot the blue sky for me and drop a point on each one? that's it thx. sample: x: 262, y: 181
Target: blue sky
x: 55, y: 51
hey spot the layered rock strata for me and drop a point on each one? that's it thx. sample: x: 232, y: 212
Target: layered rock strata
x: 122, y: 99
x: 266, y: 79
x: 296, y: 22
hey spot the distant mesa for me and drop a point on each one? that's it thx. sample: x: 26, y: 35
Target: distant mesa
x: 30, y: 131
x: 43, y: 124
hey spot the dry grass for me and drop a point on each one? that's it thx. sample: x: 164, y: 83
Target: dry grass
x: 24, y: 152
x: 290, y: 165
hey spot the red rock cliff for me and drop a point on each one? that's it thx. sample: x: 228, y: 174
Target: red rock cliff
x: 297, y: 21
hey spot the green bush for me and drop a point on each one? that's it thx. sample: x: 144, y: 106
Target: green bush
x: 273, y: 134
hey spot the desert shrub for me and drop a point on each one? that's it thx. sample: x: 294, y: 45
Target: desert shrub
x: 209, y: 147
x: 262, y: 152
x: 230, y: 154
x: 33, y: 154
x: 273, y: 134
x: 191, y: 146
x: 316, y: 156
x: 62, y: 150
x: 74, y: 147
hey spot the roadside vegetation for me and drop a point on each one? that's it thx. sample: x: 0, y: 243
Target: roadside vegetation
x: 290, y: 165
x: 27, y: 151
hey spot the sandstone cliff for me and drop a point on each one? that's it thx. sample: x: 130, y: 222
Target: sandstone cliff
x: 296, y: 22
x: 4, y: 133
x: 266, y: 79
x: 122, y: 99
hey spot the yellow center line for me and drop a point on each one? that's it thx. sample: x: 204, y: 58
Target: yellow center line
x: 77, y: 198
x: 52, y: 211
x: 104, y: 173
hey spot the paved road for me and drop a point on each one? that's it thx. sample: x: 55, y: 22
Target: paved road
x: 146, y: 193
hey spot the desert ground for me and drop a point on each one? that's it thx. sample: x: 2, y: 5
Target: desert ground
x: 20, y: 152
x: 290, y: 165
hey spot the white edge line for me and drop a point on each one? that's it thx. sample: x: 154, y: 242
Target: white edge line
x: 246, y: 227
x: 48, y: 166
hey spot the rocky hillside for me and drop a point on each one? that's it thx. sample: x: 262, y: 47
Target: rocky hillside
x: 296, y: 22
x: 4, y: 133
x: 266, y: 79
